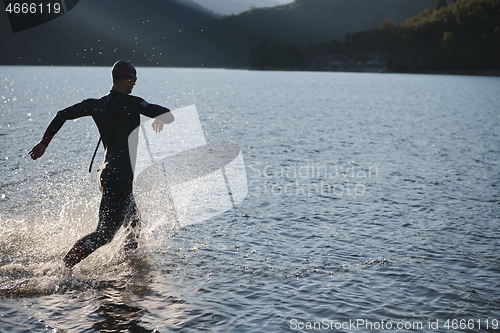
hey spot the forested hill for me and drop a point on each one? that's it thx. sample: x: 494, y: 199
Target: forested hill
x: 157, y: 32
x: 98, y: 32
x: 226, y: 41
x: 306, y: 21
x: 393, y: 35
x: 463, y: 35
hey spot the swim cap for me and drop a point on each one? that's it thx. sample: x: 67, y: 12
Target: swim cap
x: 123, y: 69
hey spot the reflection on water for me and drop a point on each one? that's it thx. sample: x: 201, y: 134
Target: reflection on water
x: 418, y: 244
x: 119, y: 318
x: 118, y: 315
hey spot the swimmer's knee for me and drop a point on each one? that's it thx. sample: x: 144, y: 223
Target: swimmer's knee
x: 98, y: 239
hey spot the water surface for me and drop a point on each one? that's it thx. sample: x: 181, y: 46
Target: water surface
x: 372, y: 197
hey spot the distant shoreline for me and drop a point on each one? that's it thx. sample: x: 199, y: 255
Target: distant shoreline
x: 488, y: 72
x: 492, y: 72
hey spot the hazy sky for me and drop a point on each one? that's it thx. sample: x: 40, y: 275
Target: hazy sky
x: 235, y: 6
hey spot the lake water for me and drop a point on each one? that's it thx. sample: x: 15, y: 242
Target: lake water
x: 373, y: 205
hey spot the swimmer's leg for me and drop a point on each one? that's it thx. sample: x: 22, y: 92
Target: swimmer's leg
x: 88, y: 244
x: 134, y: 227
x: 111, y: 216
x: 81, y: 250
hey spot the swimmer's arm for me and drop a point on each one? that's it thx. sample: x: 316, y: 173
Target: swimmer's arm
x: 165, y: 118
x: 75, y: 111
x: 38, y: 150
x: 161, y: 114
x: 157, y: 125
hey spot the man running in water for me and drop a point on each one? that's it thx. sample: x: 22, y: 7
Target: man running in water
x: 116, y: 115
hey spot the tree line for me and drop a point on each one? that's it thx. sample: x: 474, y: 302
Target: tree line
x: 461, y: 35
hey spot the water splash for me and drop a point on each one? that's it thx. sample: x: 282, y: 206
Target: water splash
x: 32, y: 249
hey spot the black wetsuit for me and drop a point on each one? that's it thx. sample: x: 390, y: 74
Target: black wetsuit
x: 116, y: 116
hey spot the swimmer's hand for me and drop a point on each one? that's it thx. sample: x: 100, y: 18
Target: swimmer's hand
x: 38, y: 150
x: 157, y: 125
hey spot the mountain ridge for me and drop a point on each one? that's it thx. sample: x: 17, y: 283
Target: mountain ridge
x: 226, y: 41
x: 150, y: 34
x: 460, y: 37
x: 97, y: 31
